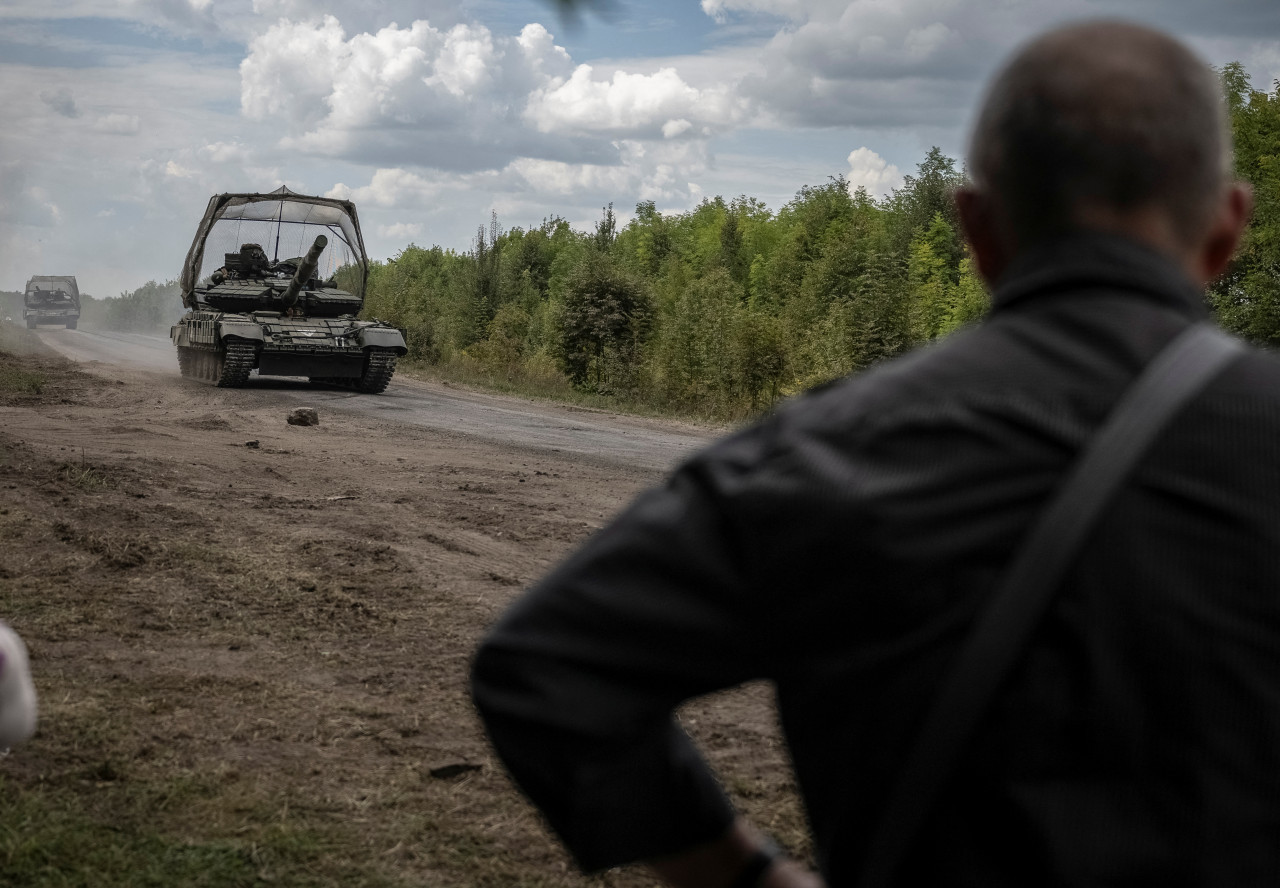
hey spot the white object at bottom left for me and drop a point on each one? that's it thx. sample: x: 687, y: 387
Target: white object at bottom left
x: 17, y: 692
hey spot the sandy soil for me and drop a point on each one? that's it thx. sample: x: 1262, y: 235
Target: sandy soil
x: 286, y: 614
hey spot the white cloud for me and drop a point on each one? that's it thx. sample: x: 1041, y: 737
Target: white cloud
x: 631, y: 104
x: 118, y: 124
x: 390, y: 188
x: 649, y: 170
x: 544, y: 58
x: 452, y: 111
x: 400, y: 230
x: 288, y: 72
x: 367, y: 15
x: 556, y: 177
x: 466, y: 63
x: 224, y: 152
x: 922, y: 43
x: 419, y: 94
x: 789, y: 9
x: 871, y: 171
x: 673, y: 128
x: 880, y: 63
x: 22, y: 203
x: 465, y: 100
x: 340, y: 190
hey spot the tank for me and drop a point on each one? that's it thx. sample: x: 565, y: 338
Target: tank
x: 274, y: 282
x: 51, y: 299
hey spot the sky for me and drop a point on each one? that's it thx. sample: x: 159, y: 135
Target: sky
x: 118, y: 120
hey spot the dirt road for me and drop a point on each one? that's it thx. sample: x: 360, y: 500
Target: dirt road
x: 251, y: 639
x: 609, y: 438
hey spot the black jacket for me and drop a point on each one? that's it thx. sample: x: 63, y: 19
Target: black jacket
x: 841, y: 549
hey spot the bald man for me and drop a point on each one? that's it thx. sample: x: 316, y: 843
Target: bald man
x: 843, y: 547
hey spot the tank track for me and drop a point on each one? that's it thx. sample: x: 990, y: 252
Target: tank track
x: 229, y: 369
x: 379, y: 367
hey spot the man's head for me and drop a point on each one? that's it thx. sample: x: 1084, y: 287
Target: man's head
x: 1104, y: 126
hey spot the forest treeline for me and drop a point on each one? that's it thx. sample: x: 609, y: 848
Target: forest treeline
x: 151, y: 308
x: 718, y: 311
x: 722, y: 310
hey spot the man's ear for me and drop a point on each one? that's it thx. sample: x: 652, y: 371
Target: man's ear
x: 1224, y: 234
x: 980, y: 220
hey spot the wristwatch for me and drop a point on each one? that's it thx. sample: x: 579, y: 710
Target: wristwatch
x: 756, y: 866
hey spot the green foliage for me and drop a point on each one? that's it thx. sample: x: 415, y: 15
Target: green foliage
x: 114, y: 842
x: 11, y: 304
x: 603, y: 322
x: 969, y: 300
x: 947, y: 296
x: 719, y: 311
x: 695, y: 350
x: 151, y: 308
x: 1247, y: 297
x: 17, y: 381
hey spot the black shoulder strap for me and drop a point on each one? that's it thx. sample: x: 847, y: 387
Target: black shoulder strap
x: 1001, y: 633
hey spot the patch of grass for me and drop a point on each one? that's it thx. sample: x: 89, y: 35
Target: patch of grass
x: 85, y: 476
x: 16, y: 339
x: 201, y: 554
x: 116, y: 837
x: 16, y: 381
x: 470, y: 374
x: 117, y: 551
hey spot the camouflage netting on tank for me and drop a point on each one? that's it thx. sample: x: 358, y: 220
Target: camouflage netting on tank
x: 52, y: 282
x: 284, y: 224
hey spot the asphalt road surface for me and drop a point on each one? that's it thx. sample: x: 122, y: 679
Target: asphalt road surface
x: 611, y: 438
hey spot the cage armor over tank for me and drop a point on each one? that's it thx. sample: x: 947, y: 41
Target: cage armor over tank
x: 51, y: 299
x: 282, y: 317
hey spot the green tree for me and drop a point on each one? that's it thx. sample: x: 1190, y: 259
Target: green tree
x: 969, y: 301
x: 1247, y: 297
x: 647, y: 240
x: 606, y: 230
x: 486, y: 279
x: 153, y: 306
x: 932, y: 278
x: 605, y: 315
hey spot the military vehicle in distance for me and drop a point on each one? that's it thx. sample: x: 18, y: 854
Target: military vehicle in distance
x: 249, y: 309
x: 51, y: 299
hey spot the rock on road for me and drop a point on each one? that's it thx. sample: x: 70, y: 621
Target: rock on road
x: 610, y: 438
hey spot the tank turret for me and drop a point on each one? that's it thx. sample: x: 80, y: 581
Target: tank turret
x: 304, y: 272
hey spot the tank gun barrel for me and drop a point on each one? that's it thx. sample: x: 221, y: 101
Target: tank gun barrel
x: 304, y: 272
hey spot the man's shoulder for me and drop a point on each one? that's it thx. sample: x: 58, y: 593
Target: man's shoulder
x: 853, y: 409
x: 975, y: 361
x: 988, y: 373
x: 1256, y: 373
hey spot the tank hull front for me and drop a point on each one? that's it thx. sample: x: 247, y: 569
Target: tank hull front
x: 319, y: 364
x: 62, y: 316
x: 340, y: 351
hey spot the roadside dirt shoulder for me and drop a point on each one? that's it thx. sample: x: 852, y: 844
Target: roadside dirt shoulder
x: 273, y: 623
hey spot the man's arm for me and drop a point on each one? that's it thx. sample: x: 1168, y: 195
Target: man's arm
x: 578, y: 681
x: 741, y: 858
